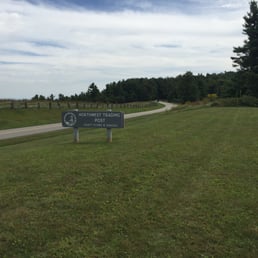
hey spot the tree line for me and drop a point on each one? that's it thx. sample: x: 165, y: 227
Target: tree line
x: 187, y: 87
x: 182, y: 88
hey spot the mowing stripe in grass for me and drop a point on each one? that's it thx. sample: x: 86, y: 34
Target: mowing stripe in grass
x: 180, y: 184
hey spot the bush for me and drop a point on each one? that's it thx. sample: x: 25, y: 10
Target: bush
x: 249, y: 101
x: 246, y: 101
x: 229, y: 102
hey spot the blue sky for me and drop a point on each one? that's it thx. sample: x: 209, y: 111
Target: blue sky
x: 61, y: 46
x: 189, y: 6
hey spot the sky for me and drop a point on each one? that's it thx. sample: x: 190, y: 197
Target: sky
x: 62, y: 46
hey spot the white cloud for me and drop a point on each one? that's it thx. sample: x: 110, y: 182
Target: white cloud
x: 44, y: 50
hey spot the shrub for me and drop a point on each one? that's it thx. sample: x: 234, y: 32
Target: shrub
x: 249, y: 101
x: 229, y: 102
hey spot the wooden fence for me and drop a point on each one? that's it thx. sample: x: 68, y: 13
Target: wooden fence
x: 24, y: 104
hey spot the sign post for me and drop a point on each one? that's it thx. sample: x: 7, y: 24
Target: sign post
x: 91, y: 119
x: 76, y: 136
x: 109, y: 134
x: 109, y: 131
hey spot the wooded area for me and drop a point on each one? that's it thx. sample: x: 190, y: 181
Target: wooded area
x: 180, y: 89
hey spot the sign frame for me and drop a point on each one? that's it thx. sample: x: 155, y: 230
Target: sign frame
x: 93, y: 119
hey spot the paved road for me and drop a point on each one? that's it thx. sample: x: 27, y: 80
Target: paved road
x: 167, y: 106
x: 30, y: 130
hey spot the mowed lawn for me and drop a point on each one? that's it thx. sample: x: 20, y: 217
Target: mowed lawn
x: 179, y: 184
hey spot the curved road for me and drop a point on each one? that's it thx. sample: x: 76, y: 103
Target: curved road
x: 30, y: 130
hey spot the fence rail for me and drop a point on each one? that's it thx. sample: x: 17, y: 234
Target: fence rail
x: 23, y: 104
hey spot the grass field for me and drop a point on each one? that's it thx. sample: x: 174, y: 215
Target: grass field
x: 15, y: 118
x: 179, y: 184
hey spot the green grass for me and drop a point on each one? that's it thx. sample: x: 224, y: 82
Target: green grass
x: 15, y: 118
x: 178, y: 184
x: 28, y: 117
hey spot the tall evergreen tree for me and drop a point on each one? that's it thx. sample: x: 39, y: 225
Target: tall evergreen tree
x: 93, y: 93
x: 247, y: 55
